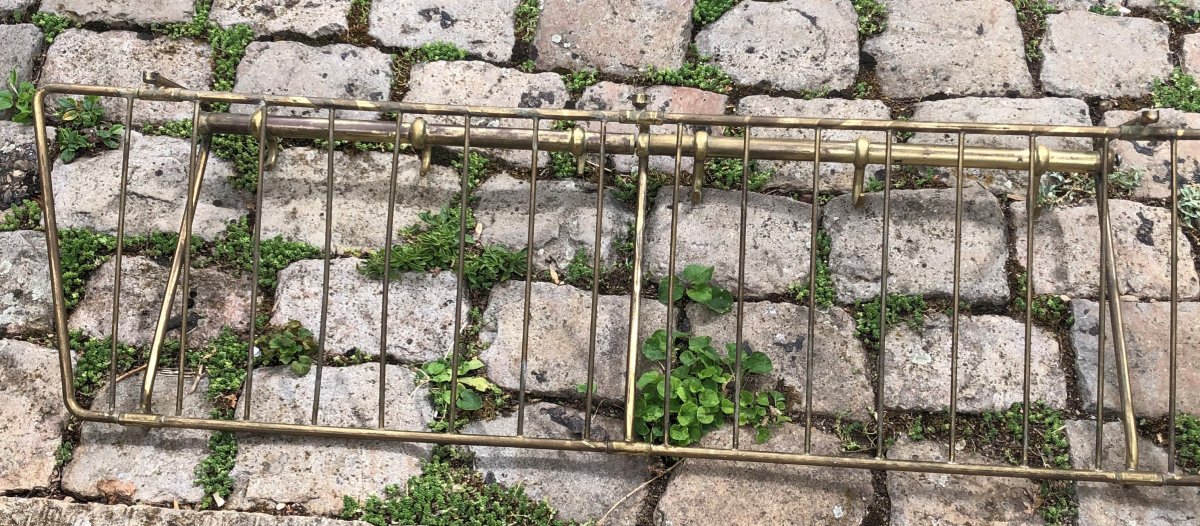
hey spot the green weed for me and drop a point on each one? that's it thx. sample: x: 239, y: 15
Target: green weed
x: 1179, y: 91
x: 708, y: 11
x: 18, y: 97
x: 726, y: 174
x: 1187, y: 442
x: 1058, y: 188
x: 824, y: 278
x: 1102, y: 8
x: 872, y: 17
x: 438, y: 51
x: 235, y: 248
x: 52, y: 24
x: 26, y: 215
x: 1178, y: 12
x: 697, y: 73
x: 577, y: 81
x: 1051, y: 310
x: 695, y: 283
x: 81, y: 253
x: 900, y: 309
x: 1189, y: 205
x: 525, y: 20
x: 476, y: 169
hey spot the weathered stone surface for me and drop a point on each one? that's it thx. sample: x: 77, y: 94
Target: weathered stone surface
x: 335, y: 70
x: 581, y: 486
x: 1066, y: 251
x: 1153, y: 158
x: 26, y: 304
x: 8, y: 6
x: 265, y: 17
x: 754, y: 493
x: 221, y: 300
x: 1189, y: 54
x: 777, y: 239
x: 20, y: 44
x: 129, y: 463
x: 1116, y: 505
x: 991, y: 353
x: 792, y: 45
x: 948, y: 47
x: 575, y: 35
x: 1048, y: 110
x: 1147, y: 340
x: 780, y: 330
x: 1084, y: 5
x: 920, y: 244
x: 566, y: 219
x: 615, y: 97
x: 560, y: 338
x: 317, y: 472
x: 1087, y: 54
x: 796, y: 175
x: 32, y: 415
x: 122, y: 12
x: 931, y: 498
x: 294, y: 198
x: 16, y: 511
x: 19, y: 177
x: 483, y: 28
x: 87, y: 190
x: 118, y: 58
x: 479, y: 83
x: 1161, y: 8
x: 425, y: 301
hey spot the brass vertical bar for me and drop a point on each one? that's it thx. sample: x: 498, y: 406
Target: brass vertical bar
x: 1174, y: 337
x: 741, y: 288
x: 812, y: 290
x: 389, y: 230
x: 635, y: 294
x: 954, y: 322
x: 1031, y: 195
x: 316, y: 405
x: 596, y: 261
x: 1102, y: 188
x: 116, y: 306
x: 525, y: 317
x: 1129, y: 426
x: 460, y: 273
x: 666, y: 422
x: 881, y: 362
x: 256, y: 266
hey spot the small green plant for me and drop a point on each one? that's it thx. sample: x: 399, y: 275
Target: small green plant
x: 64, y: 453
x: 577, y: 81
x: 94, y: 361
x: 916, y: 429
x: 1058, y: 188
x: 1187, y: 442
x: 697, y: 73
x: 26, y: 215
x: 818, y: 93
x: 223, y: 359
x: 18, y: 97
x: 360, y: 12
x: 229, y: 46
x: 900, y: 309
x: 579, y: 271
x: 438, y: 51
x: 1032, y: 16
x: 1178, y: 12
x: 80, y: 113
x: 726, y: 173
x: 1189, y: 205
x: 708, y: 11
x: 83, y: 127
x: 235, y: 248
x: 1106, y: 9
x: 872, y: 17
x: 527, y: 66
x: 70, y: 143
x: 1051, y: 310
x: 695, y: 283
x: 476, y: 169
x: 862, y: 90
x: 438, y: 374
x: 291, y: 345
x: 1179, y: 91
x: 51, y: 24
x: 81, y: 252
x: 824, y: 278
x: 1033, y: 50
x: 525, y: 20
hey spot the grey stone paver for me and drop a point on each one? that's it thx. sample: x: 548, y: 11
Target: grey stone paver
x: 1147, y: 339
x: 122, y: 12
x: 797, y: 175
x: 929, y: 498
x: 780, y: 330
x: 1082, y: 5
x: 754, y: 493
x: 87, y: 190
x: 483, y: 28
x: 266, y: 17
x: 560, y: 338
x: 118, y: 58
x: 16, y: 511
x: 1116, y: 505
x: 8, y: 6
x: 947, y: 47
x: 420, y: 309
x: 581, y: 486
x: 792, y: 45
x: 26, y: 304
x: 921, y: 241
x: 1087, y: 54
x: 19, y: 178
x: 335, y: 70
x: 294, y: 196
x: 20, y: 44
x: 1153, y: 158
x: 32, y: 416
x: 777, y: 239
x: 221, y: 300
x: 1066, y: 249
x: 622, y: 37
x: 316, y: 472
x: 565, y: 217
x: 990, y: 370
x: 1189, y: 54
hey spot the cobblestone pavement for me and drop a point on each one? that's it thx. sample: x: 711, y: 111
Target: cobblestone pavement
x: 1070, y: 62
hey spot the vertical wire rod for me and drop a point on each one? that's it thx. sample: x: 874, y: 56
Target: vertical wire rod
x: 741, y: 289
x: 389, y: 230
x: 667, y: 393
x: 1101, y: 189
x: 812, y: 290
x: 591, y: 378
x: 1174, y: 337
x: 954, y: 322
x: 316, y: 407
x: 1031, y: 195
x: 635, y: 293
x: 881, y: 362
x: 525, y: 316
x: 116, y: 306
x: 260, y: 189
x: 464, y: 191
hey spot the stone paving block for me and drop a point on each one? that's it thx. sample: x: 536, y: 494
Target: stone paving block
x: 129, y: 463
x: 1147, y: 339
x: 757, y: 493
x: 780, y: 330
x: 8, y: 6
x: 1083, y: 5
x: 777, y: 239
x: 581, y: 486
x: 1048, y: 110
x: 118, y: 58
x: 15, y: 511
x: 222, y: 300
x: 566, y: 219
x: 948, y: 47
x: 921, y: 241
x: 335, y: 70
x: 20, y: 45
x: 482, y: 28
x: 32, y: 416
x: 122, y: 12
x: 617, y: 97
x: 560, y: 338
x: 479, y: 83
x: 19, y: 178
x: 317, y: 472
x: 87, y: 190
x: 267, y: 17
x: 425, y: 300
x: 294, y: 198
x: 1189, y: 54
x: 621, y: 37
x: 932, y: 498
x: 792, y: 45
x: 1087, y: 54
x: 1066, y: 249
x: 991, y: 352
x: 1116, y: 505
x: 1153, y: 158
x: 796, y: 176
x: 26, y: 304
